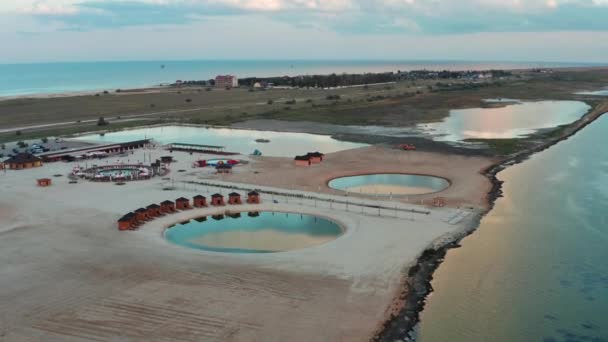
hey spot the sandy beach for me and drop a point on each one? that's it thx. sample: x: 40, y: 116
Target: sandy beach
x: 70, y: 275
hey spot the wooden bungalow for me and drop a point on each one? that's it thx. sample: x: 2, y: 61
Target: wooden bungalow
x: 142, y: 214
x: 199, y: 201
x: 234, y: 198
x: 167, y: 206
x: 182, y: 203
x: 315, y: 157
x: 302, y: 160
x: 22, y: 161
x: 128, y: 222
x: 217, y: 200
x: 253, y: 197
x: 154, y: 210
x: 44, y: 182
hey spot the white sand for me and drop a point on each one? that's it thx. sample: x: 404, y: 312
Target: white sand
x: 69, y: 275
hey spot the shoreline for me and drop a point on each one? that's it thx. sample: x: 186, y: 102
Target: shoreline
x: 416, y: 285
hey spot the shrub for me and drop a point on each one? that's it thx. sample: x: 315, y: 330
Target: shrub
x: 270, y: 102
x: 309, y: 101
x: 22, y: 144
x: 44, y: 140
x: 188, y: 100
x: 208, y: 89
x: 3, y: 146
x: 291, y: 102
x: 18, y: 133
x: 105, y: 92
x: 333, y: 97
x: 102, y: 121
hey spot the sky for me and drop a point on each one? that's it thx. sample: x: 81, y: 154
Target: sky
x: 477, y: 30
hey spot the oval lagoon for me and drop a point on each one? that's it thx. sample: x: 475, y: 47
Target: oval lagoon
x: 511, y: 121
x: 389, y: 184
x: 265, y: 232
x: 282, y: 144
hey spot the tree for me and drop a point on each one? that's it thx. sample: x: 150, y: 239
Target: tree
x: 44, y: 140
x: 18, y: 133
x: 270, y: 102
x: 102, y: 122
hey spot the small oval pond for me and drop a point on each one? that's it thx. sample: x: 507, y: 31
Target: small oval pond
x: 263, y: 232
x: 389, y: 184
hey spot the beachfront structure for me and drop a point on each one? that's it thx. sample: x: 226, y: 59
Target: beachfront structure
x: 167, y: 206
x: 315, y: 157
x: 142, y: 214
x: 302, y: 160
x: 154, y: 210
x: 253, y: 197
x: 207, y: 149
x: 182, y: 203
x: 128, y: 222
x: 234, y: 198
x: 98, y: 151
x: 226, y: 81
x: 217, y: 200
x: 22, y: 161
x: 44, y: 182
x: 200, y: 201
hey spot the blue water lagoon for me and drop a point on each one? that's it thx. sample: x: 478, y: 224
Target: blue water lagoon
x: 255, y: 232
x: 389, y: 184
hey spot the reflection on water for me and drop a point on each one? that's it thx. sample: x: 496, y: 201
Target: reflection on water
x: 536, y: 269
x: 264, y: 232
x: 514, y: 120
x: 282, y: 144
x: 595, y: 93
x: 389, y: 184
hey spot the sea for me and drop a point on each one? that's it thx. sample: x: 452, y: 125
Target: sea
x: 537, y: 267
x: 60, y: 78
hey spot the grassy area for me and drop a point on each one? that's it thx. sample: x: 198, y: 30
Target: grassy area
x: 503, y: 147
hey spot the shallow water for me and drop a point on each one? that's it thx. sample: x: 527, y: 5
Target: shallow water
x: 282, y: 144
x: 536, y: 270
x: 389, y: 184
x: 595, y: 93
x: 267, y: 233
x: 511, y: 121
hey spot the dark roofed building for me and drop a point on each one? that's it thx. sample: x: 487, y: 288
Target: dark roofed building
x: 23, y: 161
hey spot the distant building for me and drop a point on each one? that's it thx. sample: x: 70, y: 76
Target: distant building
x: 23, y: 161
x: 226, y: 81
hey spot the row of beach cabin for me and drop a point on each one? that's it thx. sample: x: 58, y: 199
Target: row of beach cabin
x: 133, y: 220
x: 309, y: 159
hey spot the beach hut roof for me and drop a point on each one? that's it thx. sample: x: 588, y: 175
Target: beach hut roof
x: 199, y: 197
x: 167, y: 202
x: 153, y: 206
x: 140, y: 210
x: 216, y: 195
x: 254, y: 193
x: 234, y: 194
x: 315, y: 154
x: 306, y: 157
x: 182, y: 199
x: 126, y: 217
x: 20, y: 158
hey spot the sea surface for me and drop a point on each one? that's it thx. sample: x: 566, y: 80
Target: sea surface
x: 537, y: 267
x: 58, y: 78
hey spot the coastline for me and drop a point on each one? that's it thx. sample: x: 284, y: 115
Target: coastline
x: 416, y: 283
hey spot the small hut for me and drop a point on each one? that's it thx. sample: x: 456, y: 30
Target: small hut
x: 44, y: 182
x: 127, y: 222
x: 142, y: 214
x: 253, y: 197
x: 302, y: 160
x: 234, y: 198
x: 200, y: 201
x: 315, y: 157
x: 439, y: 202
x: 223, y: 168
x: 217, y: 200
x: 182, y: 203
x: 167, y: 206
x: 23, y: 161
x: 154, y: 210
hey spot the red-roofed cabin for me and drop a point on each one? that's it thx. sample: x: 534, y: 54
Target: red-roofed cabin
x: 217, y: 200
x: 234, y: 198
x: 44, y: 182
x: 167, y: 206
x: 315, y: 157
x: 182, y: 203
x: 253, y: 197
x: 154, y: 210
x: 142, y: 214
x: 200, y: 201
x: 302, y: 160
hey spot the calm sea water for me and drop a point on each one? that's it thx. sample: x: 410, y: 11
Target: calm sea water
x: 282, y: 144
x: 511, y: 121
x: 49, y: 78
x: 537, y: 268
x: 265, y: 232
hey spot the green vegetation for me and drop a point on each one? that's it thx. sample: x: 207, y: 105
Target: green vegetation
x: 503, y: 146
